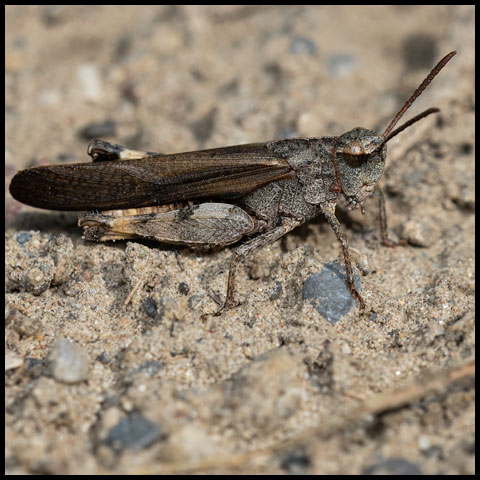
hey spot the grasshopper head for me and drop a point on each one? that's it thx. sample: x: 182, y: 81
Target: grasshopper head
x: 359, y: 162
x: 360, y: 153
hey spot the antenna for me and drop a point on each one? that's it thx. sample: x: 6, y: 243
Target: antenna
x: 415, y: 95
x: 413, y: 120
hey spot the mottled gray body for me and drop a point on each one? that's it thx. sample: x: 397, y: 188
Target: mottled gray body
x: 298, y: 197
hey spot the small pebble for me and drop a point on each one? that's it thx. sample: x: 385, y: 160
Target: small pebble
x: 12, y: 360
x: 90, y: 81
x: 133, y: 432
x: 302, y: 45
x: 150, y: 307
x: 276, y: 291
x: 341, y: 65
x: 417, y: 234
x: 68, y: 362
x: 328, y: 292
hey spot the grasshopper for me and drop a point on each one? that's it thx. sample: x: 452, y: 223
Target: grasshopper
x: 218, y: 196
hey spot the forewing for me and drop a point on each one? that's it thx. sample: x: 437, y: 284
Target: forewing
x: 220, y: 173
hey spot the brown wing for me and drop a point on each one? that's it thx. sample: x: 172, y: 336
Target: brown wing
x: 220, y: 173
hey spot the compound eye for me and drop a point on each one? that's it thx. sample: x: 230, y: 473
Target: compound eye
x: 354, y: 153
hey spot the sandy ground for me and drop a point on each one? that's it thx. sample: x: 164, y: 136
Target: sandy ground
x: 112, y: 364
